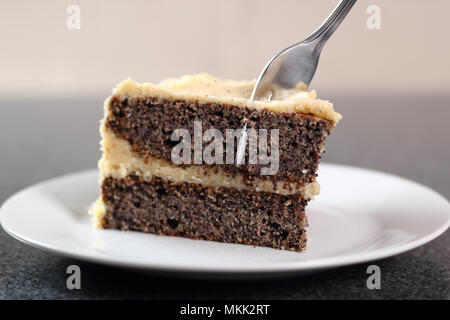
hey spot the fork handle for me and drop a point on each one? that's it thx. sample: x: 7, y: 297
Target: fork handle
x: 327, y: 28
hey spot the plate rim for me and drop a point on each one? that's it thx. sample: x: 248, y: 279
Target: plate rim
x: 284, y: 267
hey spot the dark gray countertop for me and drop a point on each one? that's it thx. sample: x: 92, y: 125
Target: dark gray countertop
x: 409, y: 136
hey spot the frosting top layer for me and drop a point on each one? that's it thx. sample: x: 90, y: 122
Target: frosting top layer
x: 207, y: 89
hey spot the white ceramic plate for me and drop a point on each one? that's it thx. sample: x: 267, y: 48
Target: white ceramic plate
x: 359, y: 216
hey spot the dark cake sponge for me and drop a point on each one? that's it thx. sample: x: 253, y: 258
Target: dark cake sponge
x: 147, y: 124
x: 208, y: 213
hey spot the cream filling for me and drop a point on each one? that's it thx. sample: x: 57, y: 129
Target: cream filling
x: 204, y: 88
x: 97, y: 210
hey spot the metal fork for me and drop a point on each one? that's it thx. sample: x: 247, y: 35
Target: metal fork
x: 294, y: 65
x: 297, y: 64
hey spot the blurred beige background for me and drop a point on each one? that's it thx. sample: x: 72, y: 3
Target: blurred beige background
x: 152, y: 40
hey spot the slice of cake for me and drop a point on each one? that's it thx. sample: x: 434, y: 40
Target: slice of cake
x: 194, y: 157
